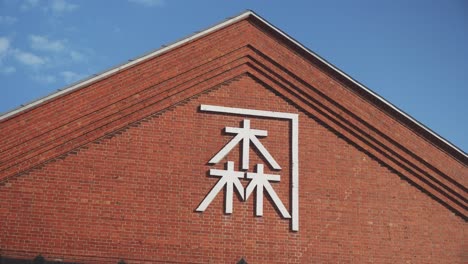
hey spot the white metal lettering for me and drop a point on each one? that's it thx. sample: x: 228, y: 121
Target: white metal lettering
x: 259, y: 181
x: 230, y: 179
x: 247, y: 135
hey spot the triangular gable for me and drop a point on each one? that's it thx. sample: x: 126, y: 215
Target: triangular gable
x: 246, y: 44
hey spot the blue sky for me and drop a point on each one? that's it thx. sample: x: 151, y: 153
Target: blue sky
x: 413, y: 53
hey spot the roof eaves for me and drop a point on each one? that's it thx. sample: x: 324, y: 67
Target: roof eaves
x: 115, y: 69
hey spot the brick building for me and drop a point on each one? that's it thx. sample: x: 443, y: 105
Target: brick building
x: 236, y: 144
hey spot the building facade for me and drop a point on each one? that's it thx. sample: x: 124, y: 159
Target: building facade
x: 234, y: 144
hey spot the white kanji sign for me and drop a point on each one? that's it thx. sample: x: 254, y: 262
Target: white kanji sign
x: 259, y: 181
x: 230, y: 179
x: 247, y: 135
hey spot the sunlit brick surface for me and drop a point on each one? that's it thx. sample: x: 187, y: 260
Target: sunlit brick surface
x: 116, y: 170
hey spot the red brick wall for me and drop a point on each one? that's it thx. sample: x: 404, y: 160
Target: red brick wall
x: 133, y: 196
x: 82, y: 180
x: 58, y: 126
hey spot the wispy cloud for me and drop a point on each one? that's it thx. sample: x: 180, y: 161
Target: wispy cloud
x: 4, y: 46
x: 70, y: 77
x: 4, y: 50
x: 148, y: 3
x: 42, y: 60
x: 57, y: 7
x: 44, y: 44
x: 28, y: 4
x: 62, y: 6
x: 44, y: 78
x: 7, y: 69
x: 77, y: 56
x: 29, y: 59
x: 7, y: 20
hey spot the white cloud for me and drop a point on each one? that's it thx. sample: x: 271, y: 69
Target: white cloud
x: 29, y: 59
x: 4, y: 45
x: 148, y: 3
x: 77, y: 56
x: 70, y: 77
x: 4, y: 50
x: 44, y: 54
x: 62, y: 6
x: 7, y: 69
x: 28, y: 4
x: 44, y: 44
x: 44, y: 79
x: 7, y: 20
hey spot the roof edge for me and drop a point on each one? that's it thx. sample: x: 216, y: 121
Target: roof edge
x: 362, y: 86
x: 243, y: 15
x: 106, y: 73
